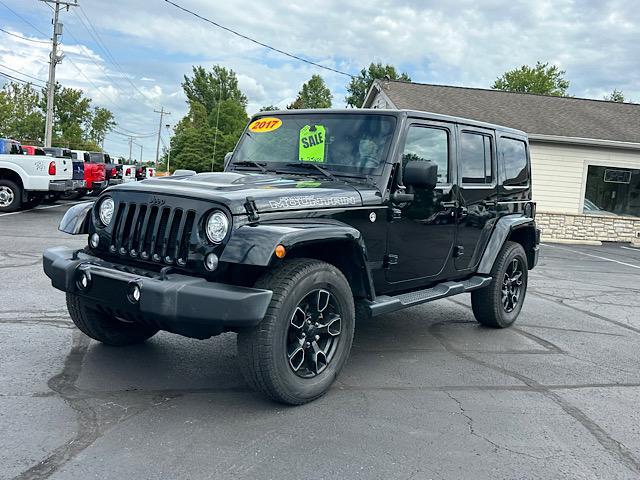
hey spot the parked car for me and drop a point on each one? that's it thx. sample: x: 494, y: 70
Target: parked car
x: 32, y: 150
x: 125, y: 171
x: 333, y: 220
x: 94, y: 173
x: 25, y: 180
x: 79, y: 185
x: 111, y: 169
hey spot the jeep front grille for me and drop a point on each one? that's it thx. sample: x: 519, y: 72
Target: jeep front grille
x: 157, y: 233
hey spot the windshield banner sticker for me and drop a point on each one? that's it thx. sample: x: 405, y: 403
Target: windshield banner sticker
x: 312, y: 143
x: 263, y: 125
x: 312, y: 201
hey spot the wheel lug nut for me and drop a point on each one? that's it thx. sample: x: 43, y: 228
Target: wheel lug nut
x: 304, y: 334
x: 317, y: 337
x: 307, y: 344
x: 308, y: 322
x: 317, y: 324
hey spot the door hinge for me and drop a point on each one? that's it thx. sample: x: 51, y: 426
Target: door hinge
x: 390, y: 259
x: 458, y: 251
x: 251, y: 209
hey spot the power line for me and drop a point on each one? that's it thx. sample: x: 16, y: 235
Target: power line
x: 131, y: 135
x: 22, y: 18
x: 98, y: 39
x: 24, y: 38
x: 257, y: 42
x: 23, y: 74
x: 11, y: 77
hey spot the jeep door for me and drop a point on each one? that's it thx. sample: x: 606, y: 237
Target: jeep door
x: 477, y: 194
x: 422, y: 231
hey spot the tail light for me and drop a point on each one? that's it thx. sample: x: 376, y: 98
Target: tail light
x: 52, y: 168
x: 128, y: 172
x: 151, y: 173
x: 114, y: 172
x: 139, y: 172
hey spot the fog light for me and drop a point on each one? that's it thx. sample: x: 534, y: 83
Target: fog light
x: 134, y: 293
x: 94, y: 240
x: 211, y: 262
x: 83, y: 281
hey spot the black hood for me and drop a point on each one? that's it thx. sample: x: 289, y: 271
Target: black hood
x: 270, y: 192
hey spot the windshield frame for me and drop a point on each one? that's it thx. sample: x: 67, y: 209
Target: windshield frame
x: 281, y: 167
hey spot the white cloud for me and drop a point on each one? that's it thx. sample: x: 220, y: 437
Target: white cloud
x: 464, y: 42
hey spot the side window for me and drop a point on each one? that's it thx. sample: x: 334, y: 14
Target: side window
x: 513, y: 156
x: 475, y: 158
x: 74, y: 155
x: 87, y: 158
x: 426, y: 143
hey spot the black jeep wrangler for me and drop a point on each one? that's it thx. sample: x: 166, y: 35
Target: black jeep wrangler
x: 319, y: 218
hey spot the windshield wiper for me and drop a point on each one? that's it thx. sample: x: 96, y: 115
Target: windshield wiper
x: 251, y: 163
x: 313, y: 166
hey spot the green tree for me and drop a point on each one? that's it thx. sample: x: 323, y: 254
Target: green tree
x: 20, y: 114
x: 313, y: 94
x: 359, y: 86
x: 102, y: 122
x: 267, y: 108
x: 543, y: 79
x: 216, y: 118
x: 616, y: 96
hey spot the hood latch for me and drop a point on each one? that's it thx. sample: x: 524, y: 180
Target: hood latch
x: 251, y: 209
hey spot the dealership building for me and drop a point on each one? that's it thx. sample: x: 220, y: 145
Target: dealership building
x: 585, y: 154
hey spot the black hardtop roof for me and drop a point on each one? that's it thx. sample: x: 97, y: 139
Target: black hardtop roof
x: 396, y: 113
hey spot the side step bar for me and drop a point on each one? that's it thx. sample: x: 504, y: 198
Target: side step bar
x: 387, y: 304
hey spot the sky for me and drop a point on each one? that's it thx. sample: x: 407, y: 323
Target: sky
x: 130, y: 56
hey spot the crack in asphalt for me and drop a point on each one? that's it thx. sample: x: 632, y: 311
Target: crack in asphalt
x: 613, y: 447
x: 88, y: 425
x: 472, y: 431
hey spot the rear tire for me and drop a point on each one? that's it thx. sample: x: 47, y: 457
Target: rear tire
x: 498, y: 305
x: 103, y: 327
x: 297, y: 351
x: 10, y: 196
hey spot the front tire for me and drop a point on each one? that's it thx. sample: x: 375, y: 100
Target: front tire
x: 103, y: 327
x: 297, y: 351
x: 499, y: 304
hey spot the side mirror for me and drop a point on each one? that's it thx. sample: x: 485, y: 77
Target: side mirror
x: 421, y: 174
x: 227, y: 159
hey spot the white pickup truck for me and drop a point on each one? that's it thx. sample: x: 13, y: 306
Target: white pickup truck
x: 26, y: 179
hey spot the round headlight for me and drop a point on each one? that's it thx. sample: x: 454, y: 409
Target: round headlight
x: 217, y: 226
x: 106, y: 211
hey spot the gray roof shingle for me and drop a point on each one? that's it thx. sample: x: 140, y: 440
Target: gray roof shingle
x: 534, y: 114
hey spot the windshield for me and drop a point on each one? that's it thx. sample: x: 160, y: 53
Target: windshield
x: 356, y: 144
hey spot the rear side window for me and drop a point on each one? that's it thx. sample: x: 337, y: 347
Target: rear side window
x: 475, y: 158
x: 513, y: 156
x: 74, y: 155
x: 96, y: 157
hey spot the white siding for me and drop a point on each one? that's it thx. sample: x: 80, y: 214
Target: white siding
x: 559, y: 172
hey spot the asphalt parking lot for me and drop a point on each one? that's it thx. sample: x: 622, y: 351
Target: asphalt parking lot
x: 427, y: 393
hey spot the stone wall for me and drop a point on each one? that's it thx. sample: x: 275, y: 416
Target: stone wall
x: 563, y: 226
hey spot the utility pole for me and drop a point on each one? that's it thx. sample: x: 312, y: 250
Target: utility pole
x: 54, y: 59
x: 130, y: 146
x: 140, y: 153
x: 162, y: 114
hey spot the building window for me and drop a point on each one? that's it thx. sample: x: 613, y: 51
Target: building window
x: 475, y: 158
x: 612, y: 191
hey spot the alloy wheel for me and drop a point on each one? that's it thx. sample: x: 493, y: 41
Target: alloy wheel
x: 313, y: 334
x: 512, y: 285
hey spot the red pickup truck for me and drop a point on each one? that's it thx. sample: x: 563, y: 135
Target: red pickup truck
x: 94, y: 173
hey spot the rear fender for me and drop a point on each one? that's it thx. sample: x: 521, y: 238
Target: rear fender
x: 504, y: 229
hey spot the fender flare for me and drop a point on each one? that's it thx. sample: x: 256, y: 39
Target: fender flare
x: 255, y: 244
x: 76, y: 220
x: 18, y: 170
x: 503, y: 229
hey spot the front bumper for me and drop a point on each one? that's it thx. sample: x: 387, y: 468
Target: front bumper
x: 60, y: 185
x: 182, y: 304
